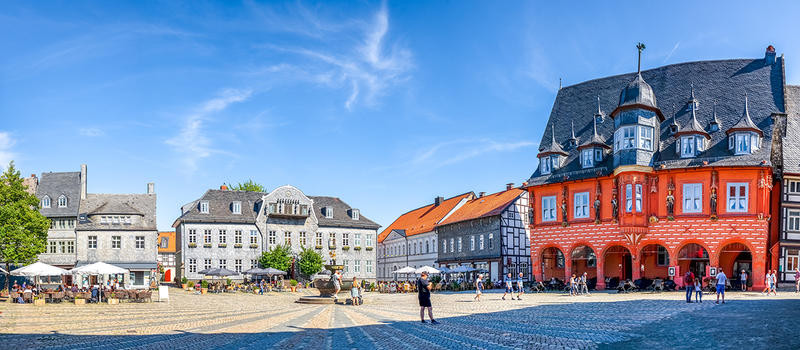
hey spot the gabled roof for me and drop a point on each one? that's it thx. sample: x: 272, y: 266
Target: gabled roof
x: 488, y: 205
x: 424, y: 219
x: 143, y: 205
x: 219, y: 207
x: 342, y: 214
x: 54, y: 185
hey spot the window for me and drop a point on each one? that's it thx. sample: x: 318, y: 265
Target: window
x: 368, y: 265
x: 472, y: 243
x: 491, y: 236
x: 692, y: 198
x: 192, y: 236
x: 587, y: 158
x: 253, y: 263
x: 639, y: 198
x: 116, y: 242
x: 51, y: 247
x: 223, y: 236
x: 253, y: 237
x: 626, y: 138
x: 139, y: 242
x: 356, y: 214
x: 318, y: 239
x: 646, y: 138
x: 287, y: 238
x: 223, y: 264
x: 92, y: 242
x: 357, y: 239
x: 70, y: 247
x: 303, y: 239
x: 164, y: 242
x: 346, y: 239
x: 452, y: 245
x: 793, y: 220
x: 192, y: 265
x: 480, y: 245
x: 427, y: 247
x: 204, y: 207
x: 328, y: 212
x: 357, y: 266
x: 236, y: 207
x: 332, y: 239
x: 737, y: 197
x: 206, y: 264
x: 346, y: 264
x: 207, y: 236
x: 549, y: 208
x: 237, y: 265
x: 629, y: 198
x: 544, y: 165
x: 663, y: 256
x: 272, y: 237
x: 46, y: 202
x: 629, y: 137
x: 598, y: 154
x: 794, y: 187
x: 743, y: 142
x: 237, y: 237
x: 687, y: 146
x: 581, y: 205
x: 369, y: 241
x: 459, y: 244
x: 444, y: 246
x: 62, y: 201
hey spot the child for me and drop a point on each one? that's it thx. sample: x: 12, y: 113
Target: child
x: 698, y: 291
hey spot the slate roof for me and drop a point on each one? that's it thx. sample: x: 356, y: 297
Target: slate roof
x: 791, y: 145
x: 342, y: 215
x: 488, y: 205
x: 637, y: 92
x: 57, y: 184
x: 693, y: 127
x: 745, y: 122
x: 723, y: 81
x: 143, y: 205
x: 219, y: 207
x: 423, y: 219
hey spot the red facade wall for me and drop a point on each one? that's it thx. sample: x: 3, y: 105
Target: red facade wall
x: 634, y: 231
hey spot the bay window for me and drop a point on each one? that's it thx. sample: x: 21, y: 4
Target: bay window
x: 635, y: 136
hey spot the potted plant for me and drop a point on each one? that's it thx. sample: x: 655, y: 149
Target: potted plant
x: 346, y: 247
x: 113, y: 300
x: 369, y: 248
x: 206, y: 245
x: 192, y: 245
x: 203, y: 287
x: 331, y: 247
x: 254, y: 245
x: 222, y: 245
x: 293, y: 284
x: 38, y: 300
x: 356, y: 248
x: 79, y: 300
x: 237, y: 245
x: 319, y: 247
x: 184, y: 283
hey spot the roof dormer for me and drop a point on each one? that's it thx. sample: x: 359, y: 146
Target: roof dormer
x: 744, y: 137
x: 593, y: 150
x: 551, y: 158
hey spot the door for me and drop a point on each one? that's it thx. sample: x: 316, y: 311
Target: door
x: 628, y: 273
x: 792, y: 259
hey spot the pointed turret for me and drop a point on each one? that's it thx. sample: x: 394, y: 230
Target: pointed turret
x: 693, y: 127
x: 573, y: 141
x: 554, y: 147
x: 714, y: 124
x: 745, y: 123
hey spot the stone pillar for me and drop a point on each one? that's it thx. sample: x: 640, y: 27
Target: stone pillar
x: 536, y: 267
x: 601, y: 274
x: 759, y: 271
x: 567, y: 268
x: 636, y: 265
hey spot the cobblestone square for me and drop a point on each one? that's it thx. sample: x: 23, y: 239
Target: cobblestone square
x: 391, y: 321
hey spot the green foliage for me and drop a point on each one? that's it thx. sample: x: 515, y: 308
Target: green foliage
x: 23, y: 230
x: 228, y: 282
x: 279, y: 257
x: 310, y: 262
x: 203, y: 284
x: 248, y: 186
x: 435, y: 279
x: 293, y: 283
x: 190, y: 284
x: 184, y: 280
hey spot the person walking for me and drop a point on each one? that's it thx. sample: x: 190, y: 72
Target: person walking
x: 698, y: 291
x: 767, y: 283
x: 424, y: 296
x: 478, y: 288
x: 774, y: 286
x: 722, y: 280
x: 573, y: 286
x: 336, y: 278
x: 509, y: 288
x: 520, y: 287
x: 743, y: 280
x: 584, y: 283
x: 688, y: 281
x: 354, y: 292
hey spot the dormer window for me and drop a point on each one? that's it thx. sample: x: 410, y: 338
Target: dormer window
x: 329, y: 212
x: 46, y: 202
x: 356, y: 215
x: 744, y: 142
x: 62, y: 201
x: 204, y: 207
x: 587, y: 158
x: 545, y: 165
x: 691, y: 146
x: 236, y: 207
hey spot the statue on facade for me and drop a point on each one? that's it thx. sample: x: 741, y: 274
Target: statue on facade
x: 670, y: 206
x: 614, y: 207
x: 597, y: 210
x: 713, y: 203
x: 564, y: 211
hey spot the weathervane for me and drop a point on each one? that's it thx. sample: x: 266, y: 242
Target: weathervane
x: 640, y: 47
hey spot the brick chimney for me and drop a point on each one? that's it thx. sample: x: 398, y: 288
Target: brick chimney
x: 151, y: 188
x: 509, y: 186
x: 83, y: 181
x: 481, y: 194
x: 223, y: 188
x: 31, y: 183
x: 438, y: 200
x: 769, y: 56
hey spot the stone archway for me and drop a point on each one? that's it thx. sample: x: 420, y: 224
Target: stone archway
x: 654, y: 258
x: 552, y: 263
x: 584, y: 260
x: 617, y: 265
x: 733, y: 258
x: 693, y: 257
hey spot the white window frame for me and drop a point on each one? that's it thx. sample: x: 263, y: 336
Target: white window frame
x: 192, y: 265
x: 472, y: 243
x: 356, y: 214
x: 273, y: 236
x: 581, y: 205
x: 62, y: 201
x: 118, y: 240
x: 459, y: 245
x: 544, y: 165
x: 444, y: 246
x: 645, y: 138
x: 793, y: 220
x: 587, y: 158
x: 237, y: 237
x: 328, y: 212
x: 46, y: 202
x: 92, y: 242
x: 236, y: 207
x: 737, y: 200
x: 628, y: 198
x: 140, y: 240
x: 253, y: 237
x: 639, y: 198
x: 743, y: 143
x: 549, y: 212
x: 692, y: 198
x: 481, y: 245
x: 688, y: 146
x: 204, y: 207
x: 369, y: 240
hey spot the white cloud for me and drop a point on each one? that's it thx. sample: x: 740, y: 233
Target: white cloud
x: 91, y: 132
x: 191, y: 142
x: 452, y: 152
x: 669, y: 55
x: 6, y: 143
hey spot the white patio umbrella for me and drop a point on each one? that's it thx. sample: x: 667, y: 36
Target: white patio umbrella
x: 407, y: 269
x: 39, y: 269
x: 99, y: 268
x: 427, y: 269
x: 3, y: 271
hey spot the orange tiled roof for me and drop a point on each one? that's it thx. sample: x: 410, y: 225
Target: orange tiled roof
x: 170, y: 235
x: 488, y: 205
x: 423, y: 219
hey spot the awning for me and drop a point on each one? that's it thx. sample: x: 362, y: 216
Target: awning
x: 137, y: 266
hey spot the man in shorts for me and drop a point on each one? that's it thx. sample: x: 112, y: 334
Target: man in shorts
x: 336, y: 278
x: 743, y: 279
x: 722, y: 279
x: 520, y: 287
x: 584, y: 287
x: 424, y: 296
x: 509, y: 287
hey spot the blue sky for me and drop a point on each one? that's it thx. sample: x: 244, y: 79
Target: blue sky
x: 385, y: 105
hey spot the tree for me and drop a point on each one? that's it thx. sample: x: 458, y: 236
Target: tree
x: 23, y: 230
x: 310, y: 262
x: 279, y: 257
x: 249, y: 186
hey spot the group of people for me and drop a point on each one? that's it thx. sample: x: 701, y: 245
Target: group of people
x: 578, y: 285
x: 772, y: 282
x: 694, y: 286
x: 355, y: 289
x: 34, y: 290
